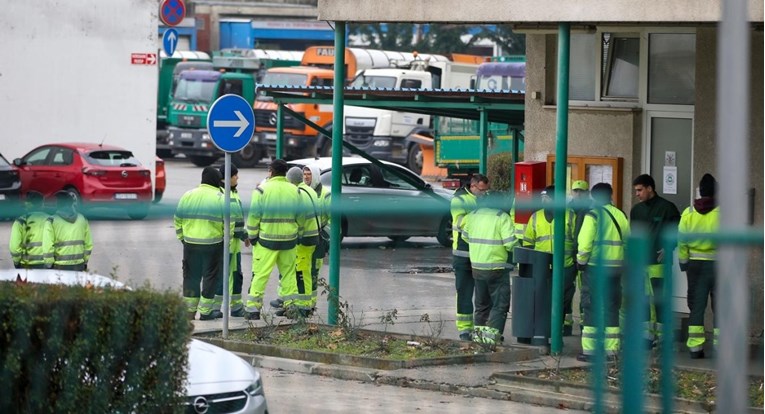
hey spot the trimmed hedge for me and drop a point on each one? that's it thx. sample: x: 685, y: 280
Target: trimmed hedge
x: 498, y: 166
x: 67, y: 349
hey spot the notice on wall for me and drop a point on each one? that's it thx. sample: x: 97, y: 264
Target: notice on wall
x: 670, y: 180
x: 670, y: 159
x: 600, y: 174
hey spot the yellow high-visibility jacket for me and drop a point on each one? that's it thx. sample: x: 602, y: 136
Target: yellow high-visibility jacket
x: 611, y: 243
x: 199, y: 216
x: 72, y: 243
x: 539, y: 234
x: 489, y: 233
x: 32, y: 240
x: 275, y: 219
x: 694, y: 222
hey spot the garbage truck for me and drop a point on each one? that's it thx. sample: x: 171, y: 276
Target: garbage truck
x: 233, y: 71
x: 316, y: 69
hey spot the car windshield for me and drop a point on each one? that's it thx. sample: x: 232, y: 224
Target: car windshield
x: 194, y: 90
x: 112, y: 158
x: 374, y: 82
x: 3, y: 161
x: 284, y: 79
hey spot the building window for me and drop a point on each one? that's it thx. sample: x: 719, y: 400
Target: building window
x: 620, y: 63
x: 671, y: 68
x: 583, y: 52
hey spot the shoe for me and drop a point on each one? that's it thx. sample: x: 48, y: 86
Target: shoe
x: 568, y: 330
x: 252, y: 316
x: 697, y: 354
x: 237, y: 313
x: 216, y: 314
x: 466, y: 337
x: 581, y: 357
x: 280, y: 312
x: 277, y: 303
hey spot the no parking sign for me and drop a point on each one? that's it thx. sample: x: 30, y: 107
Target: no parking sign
x: 172, y: 12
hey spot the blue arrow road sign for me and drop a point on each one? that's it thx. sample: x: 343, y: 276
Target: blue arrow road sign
x: 170, y: 41
x: 231, y: 123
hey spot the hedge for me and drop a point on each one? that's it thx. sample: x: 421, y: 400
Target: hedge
x: 67, y: 349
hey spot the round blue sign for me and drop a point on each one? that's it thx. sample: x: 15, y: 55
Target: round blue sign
x: 231, y: 123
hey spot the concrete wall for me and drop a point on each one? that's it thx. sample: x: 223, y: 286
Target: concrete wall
x: 66, y: 74
x: 503, y: 11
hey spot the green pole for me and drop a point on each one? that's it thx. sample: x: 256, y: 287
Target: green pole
x: 279, y: 132
x: 483, y: 129
x: 561, y: 155
x: 337, y: 165
x: 636, y: 313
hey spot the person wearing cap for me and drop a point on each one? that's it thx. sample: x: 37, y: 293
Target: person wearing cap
x: 581, y: 203
x: 274, y: 224
x: 656, y: 214
x: 602, y: 247
x: 235, y: 277
x: 31, y: 244
x: 312, y: 177
x: 72, y: 242
x: 539, y: 235
x: 463, y: 202
x: 697, y: 259
x: 198, y: 222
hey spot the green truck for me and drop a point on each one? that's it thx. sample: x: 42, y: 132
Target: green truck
x: 457, y: 141
x: 234, y: 71
x: 170, y: 68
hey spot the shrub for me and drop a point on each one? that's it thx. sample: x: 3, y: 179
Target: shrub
x: 499, y: 166
x: 85, y: 350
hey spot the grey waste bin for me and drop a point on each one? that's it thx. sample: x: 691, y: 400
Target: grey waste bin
x: 532, y: 296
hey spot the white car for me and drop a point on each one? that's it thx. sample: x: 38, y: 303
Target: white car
x: 375, y: 191
x: 218, y: 380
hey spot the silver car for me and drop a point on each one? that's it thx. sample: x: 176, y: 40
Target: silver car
x: 380, y: 203
x: 218, y: 381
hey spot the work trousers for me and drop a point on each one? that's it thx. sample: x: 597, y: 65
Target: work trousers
x: 611, y: 303
x: 202, y: 265
x: 304, y: 264
x: 569, y: 289
x: 78, y: 267
x: 492, y: 287
x: 465, y: 285
x: 701, y: 285
x: 235, y: 279
x: 263, y: 262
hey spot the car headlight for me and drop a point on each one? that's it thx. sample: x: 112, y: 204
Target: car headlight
x: 205, y: 137
x: 381, y: 143
x: 255, y: 389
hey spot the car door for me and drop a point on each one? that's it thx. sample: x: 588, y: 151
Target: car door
x: 35, y: 171
x: 417, y: 212
x: 62, y: 169
x: 361, y: 199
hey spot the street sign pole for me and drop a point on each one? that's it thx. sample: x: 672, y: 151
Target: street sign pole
x: 230, y: 123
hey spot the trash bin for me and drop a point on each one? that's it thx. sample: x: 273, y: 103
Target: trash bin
x: 532, y: 296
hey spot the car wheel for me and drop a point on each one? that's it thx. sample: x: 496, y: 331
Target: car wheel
x: 76, y: 194
x: 414, y: 159
x: 398, y: 239
x: 138, y: 212
x: 201, y: 161
x: 164, y: 153
x: 445, y: 232
x: 248, y: 157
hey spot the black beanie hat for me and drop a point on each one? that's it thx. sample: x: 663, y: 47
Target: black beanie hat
x: 222, y: 170
x: 211, y: 176
x: 279, y: 167
x: 707, y: 186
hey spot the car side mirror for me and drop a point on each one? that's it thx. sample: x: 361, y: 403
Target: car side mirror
x: 18, y: 162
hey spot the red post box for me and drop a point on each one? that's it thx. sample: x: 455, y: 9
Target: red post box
x: 530, y: 178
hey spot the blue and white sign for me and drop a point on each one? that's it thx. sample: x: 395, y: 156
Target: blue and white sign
x: 230, y: 123
x: 170, y: 41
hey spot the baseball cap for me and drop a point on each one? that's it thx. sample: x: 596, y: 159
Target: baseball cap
x: 580, y: 185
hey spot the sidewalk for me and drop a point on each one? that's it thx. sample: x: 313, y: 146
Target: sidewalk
x: 477, y: 380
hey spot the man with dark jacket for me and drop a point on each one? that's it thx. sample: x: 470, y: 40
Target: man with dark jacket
x: 656, y: 214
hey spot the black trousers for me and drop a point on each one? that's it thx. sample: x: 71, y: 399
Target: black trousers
x: 701, y: 285
x: 569, y: 289
x: 464, y: 283
x: 493, y: 287
x: 202, y: 266
x: 612, y: 296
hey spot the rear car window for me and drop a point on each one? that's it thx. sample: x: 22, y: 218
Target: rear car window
x: 112, y: 158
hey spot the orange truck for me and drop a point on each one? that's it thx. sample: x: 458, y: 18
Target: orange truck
x: 316, y: 69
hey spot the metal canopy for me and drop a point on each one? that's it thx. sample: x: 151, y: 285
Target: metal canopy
x: 500, y: 106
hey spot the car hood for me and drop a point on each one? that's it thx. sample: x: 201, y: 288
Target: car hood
x: 214, y: 370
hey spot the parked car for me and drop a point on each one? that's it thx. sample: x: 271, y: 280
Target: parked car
x: 97, y: 175
x: 161, y: 180
x: 218, y: 381
x: 370, y: 185
x: 10, y: 189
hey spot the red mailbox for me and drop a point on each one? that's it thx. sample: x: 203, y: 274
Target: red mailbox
x: 530, y: 178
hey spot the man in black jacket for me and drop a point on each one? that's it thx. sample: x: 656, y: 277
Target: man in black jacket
x: 656, y: 214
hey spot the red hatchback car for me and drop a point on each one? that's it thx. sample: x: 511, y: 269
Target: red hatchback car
x: 97, y: 174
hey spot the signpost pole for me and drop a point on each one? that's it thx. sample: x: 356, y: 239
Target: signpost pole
x: 226, y: 240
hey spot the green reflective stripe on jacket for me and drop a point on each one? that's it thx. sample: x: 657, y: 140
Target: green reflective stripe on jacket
x: 199, y: 216
x: 694, y: 222
x: 460, y: 253
x: 275, y: 217
x: 72, y: 242
x: 491, y: 238
x: 609, y: 245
